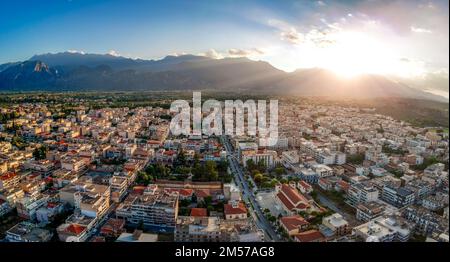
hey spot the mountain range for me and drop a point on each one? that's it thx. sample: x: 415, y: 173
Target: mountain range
x: 69, y: 71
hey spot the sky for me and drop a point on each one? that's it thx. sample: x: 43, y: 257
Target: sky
x: 405, y: 39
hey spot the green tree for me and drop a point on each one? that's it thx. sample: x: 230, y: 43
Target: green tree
x: 40, y: 152
x: 258, y: 178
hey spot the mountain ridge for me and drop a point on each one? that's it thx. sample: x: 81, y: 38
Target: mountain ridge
x: 75, y: 71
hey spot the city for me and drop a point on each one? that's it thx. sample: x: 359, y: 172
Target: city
x: 337, y: 173
x: 310, y: 130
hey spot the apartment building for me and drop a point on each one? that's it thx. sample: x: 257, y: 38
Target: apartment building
x: 204, y: 229
x: 384, y: 229
x: 27, y: 232
x: 155, y: 209
x: 398, y: 197
x: 368, y: 211
x: 361, y: 193
x: 9, y: 180
x: 337, y: 224
x: 119, y: 185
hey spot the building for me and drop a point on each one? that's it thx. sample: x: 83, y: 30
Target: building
x: 27, y: 207
x: 48, y: 212
x: 93, y: 200
x: 309, y: 236
x: 398, y: 197
x: 337, y: 224
x: 76, y: 228
x: 322, y: 170
x: 27, y: 232
x: 5, y: 207
x: 9, y: 180
x: 289, y: 158
x: 235, y: 210
x: 384, y: 229
x: 304, y: 187
x: 369, y: 211
x: 266, y: 156
x: 137, y: 236
x: 291, y: 200
x: 435, y: 202
x: 119, y: 185
x: 294, y: 224
x: 112, y: 228
x: 204, y: 229
x: 72, y: 164
x: 154, y: 209
x: 426, y: 222
x: 361, y: 193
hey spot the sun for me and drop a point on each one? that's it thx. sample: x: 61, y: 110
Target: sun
x: 349, y: 54
x: 355, y: 53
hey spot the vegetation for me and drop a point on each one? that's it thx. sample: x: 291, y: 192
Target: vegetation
x: 5, y: 117
x: 315, y: 218
x: 19, y: 142
x: 390, y: 151
x: 428, y: 161
x: 40, y: 152
x: 356, y: 159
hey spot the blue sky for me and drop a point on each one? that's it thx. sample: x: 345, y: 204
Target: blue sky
x: 406, y: 38
x: 137, y: 28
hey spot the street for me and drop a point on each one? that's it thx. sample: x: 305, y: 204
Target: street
x: 248, y: 195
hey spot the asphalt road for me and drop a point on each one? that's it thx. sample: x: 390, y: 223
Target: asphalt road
x: 248, y: 195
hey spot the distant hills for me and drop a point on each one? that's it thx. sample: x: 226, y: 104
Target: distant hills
x: 81, y: 72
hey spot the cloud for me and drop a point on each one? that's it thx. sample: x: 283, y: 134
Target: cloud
x: 76, y: 52
x: 113, y: 53
x: 178, y: 54
x: 287, y: 32
x: 292, y: 36
x: 420, y: 30
x: 233, y: 52
x: 212, y: 53
x: 319, y: 36
x: 321, y: 3
x: 245, y: 52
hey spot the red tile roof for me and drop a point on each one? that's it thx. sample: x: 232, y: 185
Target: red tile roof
x: 186, y: 192
x: 138, y: 190
x: 112, y: 225
x: 293, y: 222
x: 285, y: 201
x: 230, y: 210
x: 52, y: 204
x: 199, y: 212
x: 75, y: 229
x: 310, y: 236
x: 343, y: 185
x: 304, y: 184
x: 7, y: 176
x: 202, y: 193
x: 291, y: 198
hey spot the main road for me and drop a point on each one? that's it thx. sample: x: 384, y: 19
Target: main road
x: 247, y: 193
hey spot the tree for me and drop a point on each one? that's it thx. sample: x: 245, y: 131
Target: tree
x: 40, y: 152
x: 194, y: 198
x: 356, y: 159
x: 180, y: 160
x: 258, y: 178
x: 262, y: 166
x: 250, y: 164
x: 279, y: 171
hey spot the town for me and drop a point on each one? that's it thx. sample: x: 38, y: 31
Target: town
x: 93, y: 172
